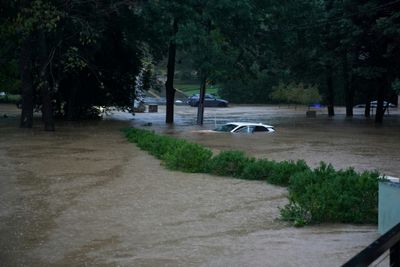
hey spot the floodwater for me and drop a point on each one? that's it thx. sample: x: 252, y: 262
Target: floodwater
x: 356, y: 142
x: 84, y: 196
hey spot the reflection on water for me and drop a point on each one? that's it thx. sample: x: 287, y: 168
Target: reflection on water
x: 344, y: 142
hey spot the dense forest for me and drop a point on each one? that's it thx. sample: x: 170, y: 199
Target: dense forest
x: 64, y: 57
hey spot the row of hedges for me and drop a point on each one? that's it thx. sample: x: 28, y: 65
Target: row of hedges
x: 315, y: 195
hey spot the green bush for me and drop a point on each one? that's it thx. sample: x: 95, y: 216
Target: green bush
x: 134, y: 134
x: 177, y: 154
x: 327, y: 195
x: 188, y: 157
x: 257, y: 169
x: 278, y: 173
x: 147, y: 141
x: 295, y: 213
x: 282, y: 171
x: 229, y: 163
x: 165, y: 145
x: 157, y: 145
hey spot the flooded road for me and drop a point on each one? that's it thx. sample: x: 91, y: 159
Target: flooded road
x: 354, y: 142
x: 84, y: 196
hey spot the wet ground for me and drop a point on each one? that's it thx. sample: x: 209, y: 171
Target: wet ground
x: 83, y: 196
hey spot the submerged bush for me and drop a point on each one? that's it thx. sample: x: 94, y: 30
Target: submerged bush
x: 165, y: 145
x: 295, y: 213
x: 327, y: 195
x: 188, y: 157
x: 282, y: 171
x: 257, y: 169
x: 177, y: 154
x: 229, y: 163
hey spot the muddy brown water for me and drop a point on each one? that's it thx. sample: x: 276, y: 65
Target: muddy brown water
x: 356, y: 142
x: 83, y: 196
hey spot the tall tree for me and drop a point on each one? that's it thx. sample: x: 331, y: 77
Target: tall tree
x: 75, y: 54
x: 33, y: 21
x: 378, y: 48
x: 27, y: 93
x: 214, y: 38
x: 163, y: 20
x: 169, y: 84
x: 285, y: 48
x: 44, y: 82
x: 330, y: 46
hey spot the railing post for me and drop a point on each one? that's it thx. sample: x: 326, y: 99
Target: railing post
x: 395, y: 255
x: 389, y: 241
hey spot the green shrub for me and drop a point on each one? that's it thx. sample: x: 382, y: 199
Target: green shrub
x: 177, y: 154
x: 257, y: 169
x: 165, y: 145
x: 282, y: 171
x: 147, y: 141
x: 229, y: 163
x: 188, y: 157
x: 327, y: 195
x: 134, y: 134
x: 295, y: 213
x: 157, y: 145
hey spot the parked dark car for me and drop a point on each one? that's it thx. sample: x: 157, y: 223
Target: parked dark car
x: 209, y: 101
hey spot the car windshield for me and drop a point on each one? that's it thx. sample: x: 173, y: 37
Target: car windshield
x: 209, y: 96
x: 225, y: 128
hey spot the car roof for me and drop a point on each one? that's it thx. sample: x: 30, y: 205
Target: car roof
x: 250, y: 124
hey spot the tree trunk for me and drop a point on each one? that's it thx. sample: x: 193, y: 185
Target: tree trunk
x: 329, y: 50
x: 330, y: 97
x: 26, y: 83
x: 381, y: 95
x: 71, y: 108
x: 367, y: 111
x: 47, y: 110
x: 200, y: 110
x: 204, y: 74
x: 169, y: 84
x: 348, y: 89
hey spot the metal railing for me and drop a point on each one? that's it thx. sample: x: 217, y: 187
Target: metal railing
x: 389, y: 241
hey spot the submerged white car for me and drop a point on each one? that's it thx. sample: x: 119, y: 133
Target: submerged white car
x: 244, y: 127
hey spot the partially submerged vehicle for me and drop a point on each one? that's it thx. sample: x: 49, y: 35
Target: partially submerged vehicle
x: 244, y: 127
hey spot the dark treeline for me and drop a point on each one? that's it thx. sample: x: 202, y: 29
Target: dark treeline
x: 65, y: 57
x: 71, y: 55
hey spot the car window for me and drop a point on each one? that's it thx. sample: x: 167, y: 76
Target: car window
x: 225, y: 128
x: 260, y: 129
x: 244, y: 129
